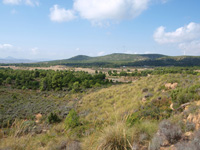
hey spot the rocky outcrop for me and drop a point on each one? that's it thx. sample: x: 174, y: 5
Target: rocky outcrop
x: 171, y: 85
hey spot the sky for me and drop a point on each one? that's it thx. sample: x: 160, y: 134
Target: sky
x: 60, y: 29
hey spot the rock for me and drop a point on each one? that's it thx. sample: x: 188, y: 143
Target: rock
x: 195, y: 118
x: 188, y: 136
x: 38, y: 118
x: 144, y: 99
x: 171, y: 85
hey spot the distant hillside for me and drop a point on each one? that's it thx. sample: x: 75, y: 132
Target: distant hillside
x: 9, y: 60
x: 79, y: 58
x: 127, y: 57
x: 116, y: 58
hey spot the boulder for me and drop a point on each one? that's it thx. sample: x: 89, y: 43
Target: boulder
x: 171, y: 85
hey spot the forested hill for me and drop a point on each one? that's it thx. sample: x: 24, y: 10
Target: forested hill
x: 116, y: 57
x: 118, y: 60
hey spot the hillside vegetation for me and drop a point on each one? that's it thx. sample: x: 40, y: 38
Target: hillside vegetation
x: 149, y: 113
x: 118, y: 60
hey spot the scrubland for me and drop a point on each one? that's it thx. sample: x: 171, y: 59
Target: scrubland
x: 152, y: 112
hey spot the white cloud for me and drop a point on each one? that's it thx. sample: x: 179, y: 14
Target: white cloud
x: 182, y: 34
x: 186, y: 38
x: 99, y: 10
x: 26, y: 2
x: 6, y: 46
x: 13, y: 2
x: 31, y: 2
x: 58, y: 14
x: 101, y: 53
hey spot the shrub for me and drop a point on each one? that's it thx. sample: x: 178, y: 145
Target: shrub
x: 114, y: 138
x: 181, y: 96
x: 190, y: 126
x: 21, y: 127
x: 192, y: 145
x: 171, y: 131
x: 146, y: 128
x: 53, y: 118
x: 155, y: 110
x: 155, y: 143
x: 167, y: 131
x: 72, y: 119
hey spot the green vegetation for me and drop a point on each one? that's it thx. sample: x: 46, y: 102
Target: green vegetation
x: 119, y: 60
x: 53, y: 118
x: 55, y: 110
x: 155, y: 71
x: 51, y: 80
x: 72, y: 120
x: 134, y: 60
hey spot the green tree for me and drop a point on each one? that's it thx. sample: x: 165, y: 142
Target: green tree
x: 76, y: 87
x: 110, y: 73
x: 8, y: 80
x: 53, y: 118
x: 44, y: 84
x: 72, y: 120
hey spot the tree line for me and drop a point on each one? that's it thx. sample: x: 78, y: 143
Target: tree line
x: 154, y: 71
x: 51, y: 80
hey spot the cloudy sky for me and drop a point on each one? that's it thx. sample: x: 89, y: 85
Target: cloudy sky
x: 59, y: 29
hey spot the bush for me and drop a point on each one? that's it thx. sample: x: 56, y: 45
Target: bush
x: 155, y: 143
x: 147, y: 129
x: 72, y: 120
x: 114, y: 138
x: 53, y: 118
x: 21, y: 127
x: 190, y: 126
x: 167, y: 131
x: 171, y: 131
x: 155, y: 110
x: 192, y: 145
x: 184, y: 95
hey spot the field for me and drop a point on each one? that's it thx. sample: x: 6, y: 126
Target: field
x: 114, y: 116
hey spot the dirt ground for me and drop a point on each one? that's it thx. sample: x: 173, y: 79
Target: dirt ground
x: 60, y: 67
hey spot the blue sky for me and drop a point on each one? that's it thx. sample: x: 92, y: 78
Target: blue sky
x: 60, y: 29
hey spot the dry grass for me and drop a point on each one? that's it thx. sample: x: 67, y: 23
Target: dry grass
x: 18, y: 139
x: 107, y: 104
x: 106, y: 111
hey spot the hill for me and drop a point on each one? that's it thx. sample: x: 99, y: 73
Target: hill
x: 9, y: 60
x: 132, y: 60
x: 118, y: 60
x: 145, y: 114
x: 116, y: 57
